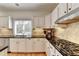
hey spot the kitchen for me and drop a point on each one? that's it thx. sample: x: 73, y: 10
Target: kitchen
x: 39, y: 29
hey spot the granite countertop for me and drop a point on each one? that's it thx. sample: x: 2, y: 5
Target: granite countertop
x: 11, y: 36
x: 66, y: 48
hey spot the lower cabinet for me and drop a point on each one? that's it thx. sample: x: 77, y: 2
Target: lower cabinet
x: 51, y: 50
x: 57, y: 53
x: 38, y: 45
x: 4, y: 52
x: 33, y: 45
x: 27, y: 45
x: 14, y: 45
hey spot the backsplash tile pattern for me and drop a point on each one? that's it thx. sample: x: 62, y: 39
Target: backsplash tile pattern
x: 71, y: 33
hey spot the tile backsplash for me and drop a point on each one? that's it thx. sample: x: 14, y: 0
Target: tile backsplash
x: 71, y: 33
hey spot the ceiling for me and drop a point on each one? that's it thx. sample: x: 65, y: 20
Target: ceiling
x: 28, y: 6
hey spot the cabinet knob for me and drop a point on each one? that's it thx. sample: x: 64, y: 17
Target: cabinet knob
x: 69, y: 8
x: 64, y: 11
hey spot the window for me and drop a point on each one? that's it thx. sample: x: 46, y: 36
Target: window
x: 23, y: 27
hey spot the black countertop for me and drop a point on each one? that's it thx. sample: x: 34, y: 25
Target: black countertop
x: 22, y: 37
x: 66, y: 48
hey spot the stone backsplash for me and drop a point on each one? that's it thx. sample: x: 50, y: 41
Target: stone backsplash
x: 71, y: 33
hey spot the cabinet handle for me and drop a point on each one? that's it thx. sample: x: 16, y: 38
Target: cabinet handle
x: 69, y: 8
x: 64, y: 11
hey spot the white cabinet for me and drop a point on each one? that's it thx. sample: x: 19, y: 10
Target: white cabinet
x: 69, y: 7
x: 51, y: 50
x: 41, y: 21
x: 75, y: 5
x: 35, y: 21
x: 38, y: 45
x: 4, y: 52
x: 48, y: 53
x: 4, y: 21
x: 27, y: 45
x: 48, y: 21
x: 54, y: 16
x: 57, y: 53
x: 72, y: 6
x: 21, y: 45
x: 38, y: 21
x: 62, y: 8
x: 14, y: 45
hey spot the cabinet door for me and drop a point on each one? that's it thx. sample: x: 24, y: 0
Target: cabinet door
x: 41, y: 21
x: 4, y: 22
x: 52, y: 50
x: 69, y: 7
x: 14, y: 45
x: 22, y: 45
x: 62, y: 9
x: 35, y: 21
x: 72, y: 6
x: 57, y: 53
x: 75, y: 5
x: 28, y: 45
x: 38, y: 45
x: 47, y: 46
x: 48, y: 20
x: 54, y: 16
x: 42, y: 44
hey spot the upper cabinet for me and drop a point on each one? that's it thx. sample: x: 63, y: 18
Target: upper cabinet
x: 72, y: 6
x: 41, y: 22
x: 4, y: 21
x: 54, y: 16
x: 48, y: 21
x: 38, y: 21
x: 35, y: 21
x: 65, y: 10
x: 62, y: 9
